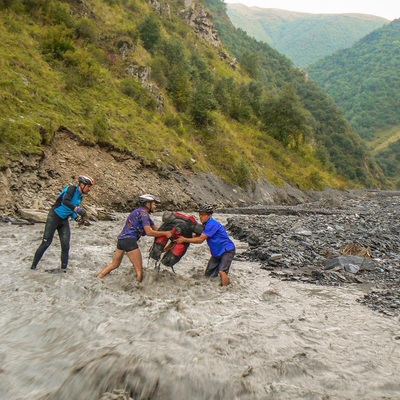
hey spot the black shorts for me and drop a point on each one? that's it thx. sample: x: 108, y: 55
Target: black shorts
x: 127, y: 244
x: 223, y: 263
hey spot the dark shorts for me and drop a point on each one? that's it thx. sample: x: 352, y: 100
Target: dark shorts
x: 223, y: 263
x: 127, y: 244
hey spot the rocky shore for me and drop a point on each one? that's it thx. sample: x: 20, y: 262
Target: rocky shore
x: 336, y: 242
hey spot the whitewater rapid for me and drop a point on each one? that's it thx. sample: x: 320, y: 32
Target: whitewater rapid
x: 180, y: 336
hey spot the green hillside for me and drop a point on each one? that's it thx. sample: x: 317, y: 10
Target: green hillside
x: 302, y: 37
x: 385, y: 146
x: 364, y: 81
x: 152, y: 80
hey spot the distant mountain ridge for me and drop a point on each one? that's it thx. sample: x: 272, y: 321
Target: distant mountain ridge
x: 302, y: 37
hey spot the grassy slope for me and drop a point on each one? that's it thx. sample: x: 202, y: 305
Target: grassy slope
x: 383, y: 138
x: 36, y: 98
x: 34, y: 94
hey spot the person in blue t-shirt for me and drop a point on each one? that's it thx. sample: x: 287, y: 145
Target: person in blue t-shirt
x: 67, y: 205
x: 138, y: 224
x: 221, y: 246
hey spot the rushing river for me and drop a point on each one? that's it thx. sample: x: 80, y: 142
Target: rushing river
x: 180, y: 336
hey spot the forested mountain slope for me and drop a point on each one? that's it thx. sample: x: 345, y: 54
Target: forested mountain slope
x: 157, y: 80
x: 304, y: 38
x: 365, y: 82
x: 334, y: 142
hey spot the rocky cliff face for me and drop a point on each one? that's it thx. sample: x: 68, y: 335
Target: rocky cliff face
x: 202, y: 23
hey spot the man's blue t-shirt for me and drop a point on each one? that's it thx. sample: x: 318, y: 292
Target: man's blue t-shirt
x: 135, y: 223
x: 218, y: 239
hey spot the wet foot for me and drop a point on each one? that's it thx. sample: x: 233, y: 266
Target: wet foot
x: 55, y: 271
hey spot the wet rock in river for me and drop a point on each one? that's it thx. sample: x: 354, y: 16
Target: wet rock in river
x: 350, y: 263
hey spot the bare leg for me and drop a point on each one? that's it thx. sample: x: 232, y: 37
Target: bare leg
x: 116, y: 262
x: 136, y: 259
x: 224, y: 278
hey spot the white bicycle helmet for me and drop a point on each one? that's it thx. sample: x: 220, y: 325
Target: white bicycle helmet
x: 145, y: 198
x: 86, y: 180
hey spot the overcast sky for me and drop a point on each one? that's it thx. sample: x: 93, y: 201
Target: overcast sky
x: 389, y: 9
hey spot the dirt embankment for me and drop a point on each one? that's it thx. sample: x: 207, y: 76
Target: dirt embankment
x: 34, y: 182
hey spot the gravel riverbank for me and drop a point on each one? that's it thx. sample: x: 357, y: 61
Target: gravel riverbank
x: 329, y: 242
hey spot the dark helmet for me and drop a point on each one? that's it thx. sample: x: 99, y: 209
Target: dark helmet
x: 206, y: 208
x: 145, y: 198
x: 86, y: 180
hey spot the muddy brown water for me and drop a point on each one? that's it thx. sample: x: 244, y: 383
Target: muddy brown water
x: 180, y: 336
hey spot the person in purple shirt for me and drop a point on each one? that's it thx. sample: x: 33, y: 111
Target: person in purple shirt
x: 221, y: 246
x: 138, y: 224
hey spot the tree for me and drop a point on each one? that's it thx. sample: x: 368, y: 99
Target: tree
x: 179, y: 88
x: 174, y: 52
x: 150, y: 33
x: 250, y: 62
x: 286, y: 118
x: 202, y: 104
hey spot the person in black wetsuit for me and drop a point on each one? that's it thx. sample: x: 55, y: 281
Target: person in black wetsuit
x: 67, y: 205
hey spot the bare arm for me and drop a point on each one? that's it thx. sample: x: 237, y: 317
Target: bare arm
x: 197, y: 239
x: 155, y: 232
